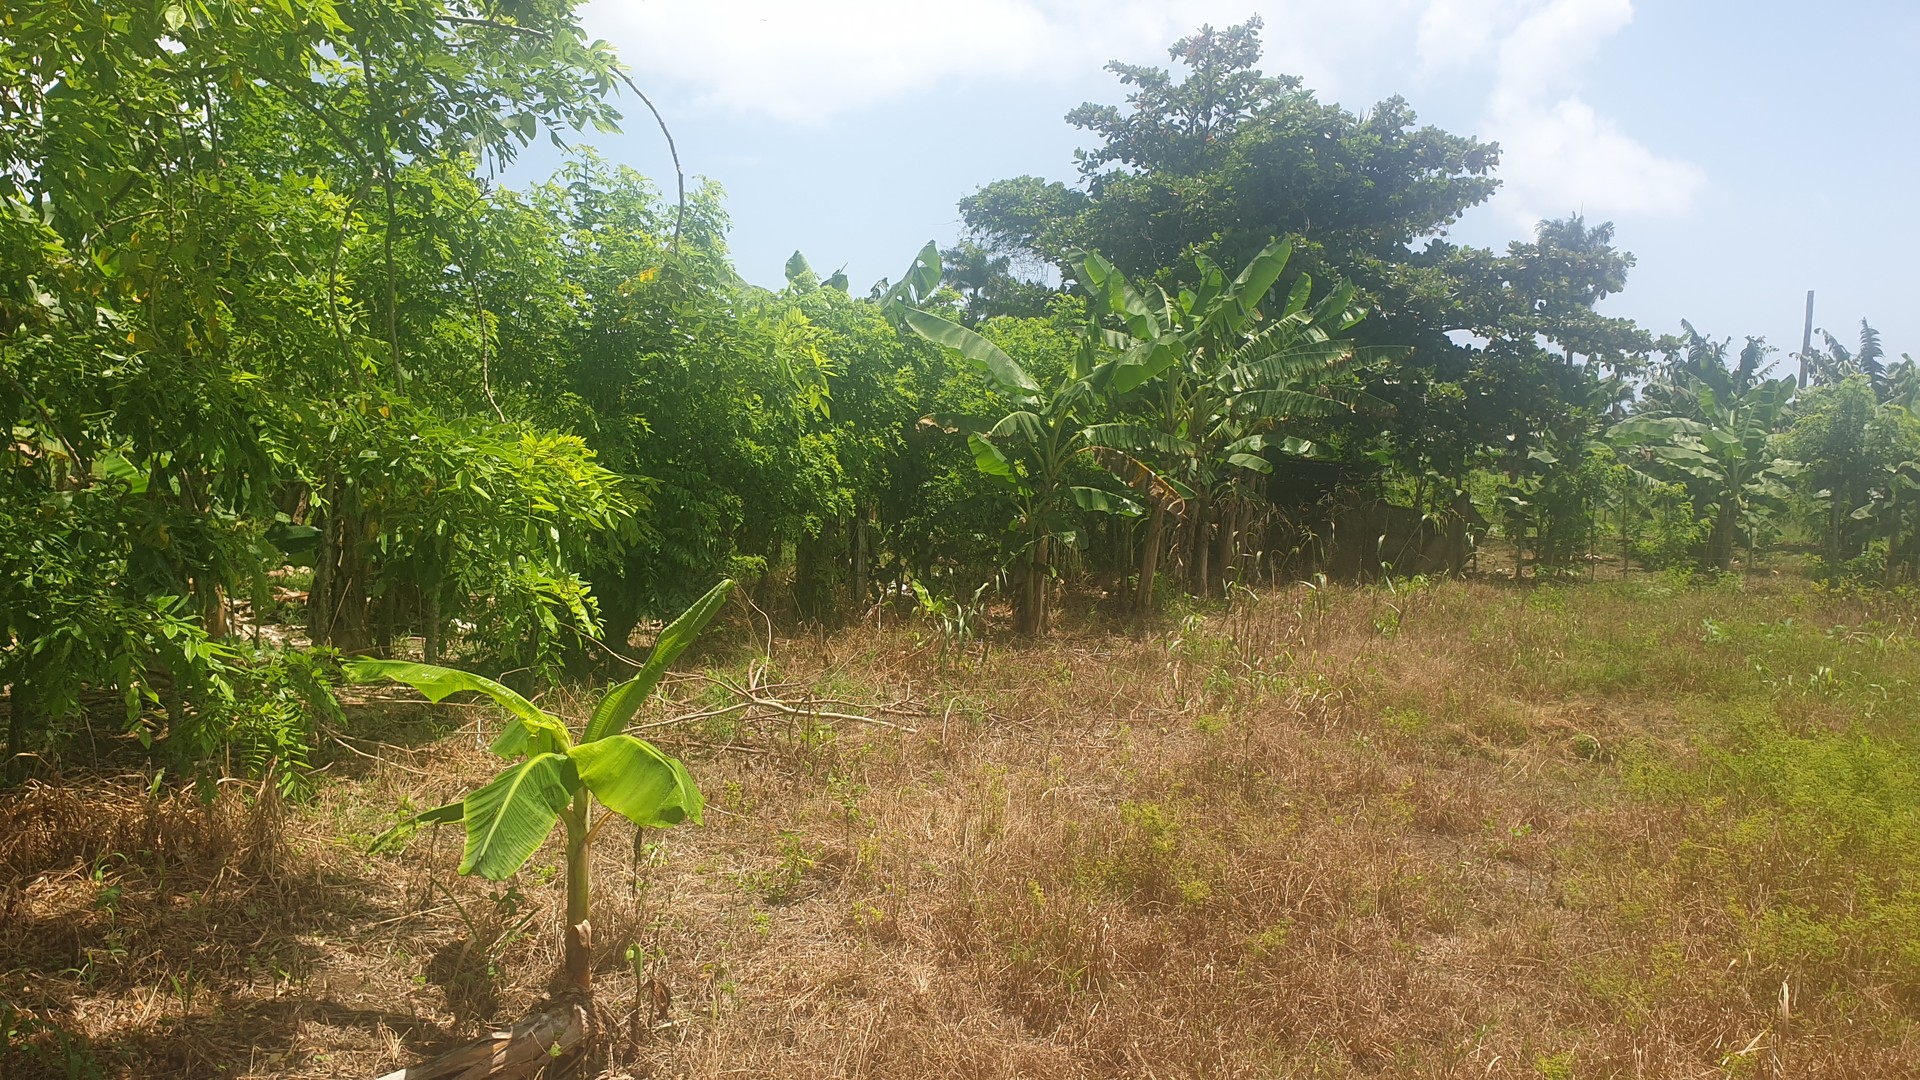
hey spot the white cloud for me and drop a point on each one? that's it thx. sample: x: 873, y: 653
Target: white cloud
x: 1551, y: 44
x: 1562, y: 156
x: 1456, y: 34
x: 814, y: 61
x: 1559, y: 154
x: 807, y: 62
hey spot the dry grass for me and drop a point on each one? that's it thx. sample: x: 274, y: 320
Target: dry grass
x: 1465, y: 830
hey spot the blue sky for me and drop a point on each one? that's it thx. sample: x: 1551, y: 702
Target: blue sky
x: 1746, y: 151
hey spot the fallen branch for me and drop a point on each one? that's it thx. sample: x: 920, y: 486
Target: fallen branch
x: 760, y: 695
x: 755, y: 693
x: 379, y: 760
x: 521, y: 1051
x: 820, y: 714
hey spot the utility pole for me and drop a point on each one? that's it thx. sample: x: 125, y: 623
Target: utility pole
x: 1806, y: 341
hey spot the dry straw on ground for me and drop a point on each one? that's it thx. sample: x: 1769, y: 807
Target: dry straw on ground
x: 1325, y: 833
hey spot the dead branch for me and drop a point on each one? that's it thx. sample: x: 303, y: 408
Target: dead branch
x: 520, y: 1051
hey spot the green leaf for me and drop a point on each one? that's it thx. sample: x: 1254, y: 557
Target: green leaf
x: 1641, y: 429
x: 991, y: 462
x: 1111, y: 287
x: 1020, y: 424
x: 1681, y: 455
x: 618, y: 707
x: 294, y: 541
x: 1298, y: 296
x: 638, y: 782
x: 919, y: 282
x: 1250, y: 461
x: 396, y: 838
x: 1140, y: 365
x: 1133, y: 438
x: 1104, y: 502
x: 437, y: 683
x: 984, y: 354
x: 1282, y: 404
x: 1250, y: 288
x: 113, y: 465
x: 797, y: 267
x: 924, y: 276
x: 509, y: 817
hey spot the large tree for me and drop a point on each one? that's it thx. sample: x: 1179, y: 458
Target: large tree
x: 1224, y: 158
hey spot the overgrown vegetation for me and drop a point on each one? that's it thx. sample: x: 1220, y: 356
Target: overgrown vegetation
x: 294, y: 390
x: 279, y: 358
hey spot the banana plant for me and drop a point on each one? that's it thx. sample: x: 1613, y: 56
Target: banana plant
x: 558, y: 778
x: 1032, y: 454
x: 1716, y: 436
x: 1894, y: 510
x: 1047, y: 437
x: 1228, y: 377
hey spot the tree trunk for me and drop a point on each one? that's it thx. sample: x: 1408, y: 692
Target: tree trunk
x: 1226, y: 547
x: 619, y: 604
x: 812, y: 589
x: 16, y: 700
x: 212, y: 601
x: 578, y: 966
x: 1030, y: 606
x: 318, y: 615
x: 1150, y: 559
x: 1042, y: 586
x: 1202, y: 549
x: 1833, y: 538
x: 336, y: 604
x: 763, y: 589
x: 1720, y: 539
x: 1626, y: 537
x: 430, y: 624
x: 860, y: 560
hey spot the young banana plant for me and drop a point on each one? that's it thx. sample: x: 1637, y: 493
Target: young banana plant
x: 555, y: 777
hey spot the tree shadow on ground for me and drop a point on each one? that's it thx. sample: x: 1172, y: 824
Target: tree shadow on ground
x: 176, y: 938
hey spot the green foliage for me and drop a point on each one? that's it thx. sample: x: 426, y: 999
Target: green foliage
x: 1861, y: 481
x: 1671, y: 533
x: 267, y: 719
x: 1552, y: 508
x: 958, y: 620
x: 1713, y: 430
x: 262, y: 307
x: 556, y: 779
x: 1222, y: 160
x: 45, y: 1044
x: 1213, y: 380
x: 228, y: 239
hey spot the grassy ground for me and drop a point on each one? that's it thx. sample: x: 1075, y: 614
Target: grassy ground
x: 1618, y: 829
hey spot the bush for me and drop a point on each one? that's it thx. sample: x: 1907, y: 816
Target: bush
x: 1672, y: 534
